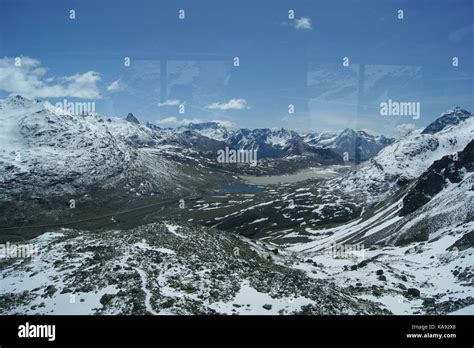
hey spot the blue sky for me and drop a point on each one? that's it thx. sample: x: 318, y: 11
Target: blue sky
x: 283, y: 61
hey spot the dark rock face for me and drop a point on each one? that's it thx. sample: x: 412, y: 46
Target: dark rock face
x: 438, y: 175
x: 106, y: 298
x: 377, y: 291
x: 449, y: 306
x: 50, y: 290
x: 452, y: 117
x: 131, y: 118
x: 413, y: 292
x: 429, y: 301
x: 465, y: 242
x: 152, y: 126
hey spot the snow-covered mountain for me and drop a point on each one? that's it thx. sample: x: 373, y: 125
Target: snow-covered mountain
x: 451, y: 117
x: 42, y: 145
x: 421, y: 238
x: 268, y: 142
x: 211, y: 130
x: 407, y: 158
x: 46, y: 151
x: 358, y: 145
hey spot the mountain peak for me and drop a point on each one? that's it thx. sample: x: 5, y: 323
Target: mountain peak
x: 451, y: 117
x: 457, y: 109
x: 348, y: 132
x: 18, y: 100
x: 132, y: 119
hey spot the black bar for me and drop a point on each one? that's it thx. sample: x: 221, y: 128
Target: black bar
x: 243, y: 330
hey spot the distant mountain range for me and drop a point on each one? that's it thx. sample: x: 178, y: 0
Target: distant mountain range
x: 44, y: 142
x: 208, y: 137
x: 355, y: 146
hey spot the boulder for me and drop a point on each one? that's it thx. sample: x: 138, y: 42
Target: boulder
x: 413, y: 292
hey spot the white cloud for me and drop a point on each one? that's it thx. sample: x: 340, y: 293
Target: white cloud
x: 300, y: 23
x: 303, y: 23
x: 29, y: 81
x: 173, y: 121
x: 232, y: 104
x: 115, y: 86
x: 404, y: 128
x: 170, y: 102
x: 225, y: 123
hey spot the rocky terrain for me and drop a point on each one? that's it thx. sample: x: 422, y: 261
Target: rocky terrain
x: 164, y: 268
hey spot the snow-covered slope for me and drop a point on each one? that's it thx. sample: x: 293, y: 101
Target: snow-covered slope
x: 442, y: 197
x: 45, y: 151
x: 42, y: 146
x: 420, y: 238
x: 163, y: 268
x: 407, y: 158
x: 324, y: 139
